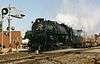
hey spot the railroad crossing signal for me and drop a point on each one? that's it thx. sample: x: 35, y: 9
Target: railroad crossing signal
x: 10, y: 12
x: 4, y: 11
x: 13, y: 12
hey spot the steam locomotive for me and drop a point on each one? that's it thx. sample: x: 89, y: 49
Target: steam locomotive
x: 49, y: 35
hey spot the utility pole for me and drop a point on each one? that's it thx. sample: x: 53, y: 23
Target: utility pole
x: 2, y: 30
x: 3, y: 13
x: 9, y: 24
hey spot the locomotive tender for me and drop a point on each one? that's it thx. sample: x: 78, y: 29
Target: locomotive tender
x: 49, y: 35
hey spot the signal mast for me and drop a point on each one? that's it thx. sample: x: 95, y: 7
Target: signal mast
x: 7, y: 11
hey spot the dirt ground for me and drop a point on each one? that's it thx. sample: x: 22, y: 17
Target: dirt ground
x: 72, y: 58
x: 59, y: 58
x: 68, y: 58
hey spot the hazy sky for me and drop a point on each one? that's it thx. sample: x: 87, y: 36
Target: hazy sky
x: 78, y: 14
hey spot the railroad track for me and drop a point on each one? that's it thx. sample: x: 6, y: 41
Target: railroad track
x: 33, y: 58
x: 49, y: 56
x: 22, y: 59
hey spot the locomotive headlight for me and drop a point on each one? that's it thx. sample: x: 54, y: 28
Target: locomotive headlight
x: 36, y: 29
x: 40, y: 27
x: 51, y: 37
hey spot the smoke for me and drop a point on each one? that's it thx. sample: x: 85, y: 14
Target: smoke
x: 80, y: 14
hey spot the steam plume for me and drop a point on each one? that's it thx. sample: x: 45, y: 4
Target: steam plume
x: 80, y: 14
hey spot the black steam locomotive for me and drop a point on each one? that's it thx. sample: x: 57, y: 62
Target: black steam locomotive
x: 50, y: 35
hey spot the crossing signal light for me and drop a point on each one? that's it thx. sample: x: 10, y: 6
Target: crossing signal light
x: 4, y: 11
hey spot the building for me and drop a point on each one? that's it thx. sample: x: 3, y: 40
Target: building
x: 16, y: 39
